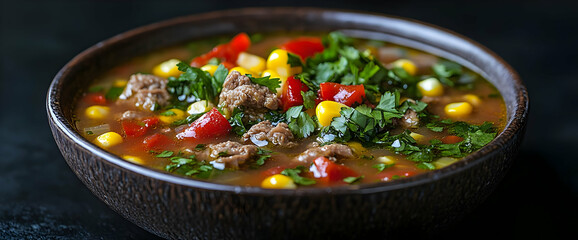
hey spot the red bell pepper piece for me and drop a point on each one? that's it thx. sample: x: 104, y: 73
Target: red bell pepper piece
x: 304, y: 46
x: 328, y: 171
x: 95, y: 98
x: 346, y: 94
x: 137, y: 129
x: 226, y: 52
x: 291, y: 93
x: 156, y: 141
x: 209, y: 126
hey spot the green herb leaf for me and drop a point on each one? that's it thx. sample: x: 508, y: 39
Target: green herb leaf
x: 351, y: 180
x: 267, y: 81
x: 293, y: 173
x: 165, y: 154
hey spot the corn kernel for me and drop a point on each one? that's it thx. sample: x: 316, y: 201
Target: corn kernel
x: 210, y: 68
x: 458, y: 109
x: 278, y: 181
x: 407, y: 65
x: 251, y: 62
x: 274, y: 74
x: 172, y: 115
x: 386, y: 159
x: 167, y: 69
x: 242, y: 71
x: 417, y: 137
x: 327, y: 110
x: 357, y: 147
x: 200, y: 107
x: 443, y: 162
x: 277, y: 61
x: 119, y: 83
x: 430, y: 87
x: 108, y: 139
x: 133, y: 159
x: 97, y: 112
x: 472, y: 99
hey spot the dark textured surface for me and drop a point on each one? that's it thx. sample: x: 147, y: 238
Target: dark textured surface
x: 41, y: 198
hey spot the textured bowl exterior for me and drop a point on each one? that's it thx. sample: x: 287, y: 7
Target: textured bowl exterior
x: 175, y: 207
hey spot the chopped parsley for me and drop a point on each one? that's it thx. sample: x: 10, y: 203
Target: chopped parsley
x: 191, y: 167
x: 300, y: 123
x: 293, y: 173
x: 195, y: 84
x: 267, y: 81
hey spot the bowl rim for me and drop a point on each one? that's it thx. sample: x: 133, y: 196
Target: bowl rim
x: 512, y: 127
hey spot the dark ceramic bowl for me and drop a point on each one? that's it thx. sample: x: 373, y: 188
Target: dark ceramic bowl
x: 176, y: 207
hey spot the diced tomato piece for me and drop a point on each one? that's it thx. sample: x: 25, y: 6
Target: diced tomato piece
x: 157, y: 141
x: 346, y: 94
x: 209, y: 126
x: 133, y: 128
x: 451, y: 139
x: 328, y: 171
x: 137, y: 129
x: 304, y: 46
x: 227, y: 52
x: 291, y: 93
x: 95, y: 98
x: 240, y: 43
x: 151, y: 122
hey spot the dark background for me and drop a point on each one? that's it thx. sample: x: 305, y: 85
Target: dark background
x: 40, y: 197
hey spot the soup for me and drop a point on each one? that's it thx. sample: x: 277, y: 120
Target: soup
x: 289, y: 111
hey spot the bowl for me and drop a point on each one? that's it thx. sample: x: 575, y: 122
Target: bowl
x: 177, y: 207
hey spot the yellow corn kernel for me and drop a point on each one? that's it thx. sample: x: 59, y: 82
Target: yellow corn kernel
x: 430, y: 87
x: 458, y: 109
x: 273, y: 74
x: 278, y: 181
x: 97, y: 112
x: 167, y: 69
x: 386, y: 159
x: 242, y: 71
x: 210, y: 68
x: 473, y: 99
x: 172, y: 115
x: 407, y: 65
x: 133, y: 159
x: 327, y: 110
x: 119, y: 83
x: 357, y: 147
x: 200, y: 107
x: 444, y: 161
x: 251, y: 62
x: 277, y: 61
x: 417, y: 137
x: 108, y: 139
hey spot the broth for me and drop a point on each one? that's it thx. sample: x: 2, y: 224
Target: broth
x: 381, y: 152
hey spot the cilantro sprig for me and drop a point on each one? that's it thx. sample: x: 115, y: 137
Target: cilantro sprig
x: 195, y: 84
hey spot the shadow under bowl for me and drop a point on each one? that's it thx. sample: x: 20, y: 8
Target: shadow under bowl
x: 177, y: 207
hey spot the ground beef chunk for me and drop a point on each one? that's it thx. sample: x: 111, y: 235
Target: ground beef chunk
x: 226, y: 154
x: 409, y: 120
x: 134, y: 115
x: 263, y: 133
x: 442, y: 100
x: 332, y: 151
x: 145, y: 91
x: 239, y: 91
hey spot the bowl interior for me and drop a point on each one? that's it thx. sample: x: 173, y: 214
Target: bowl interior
x: 80, y: 71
